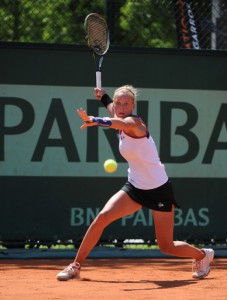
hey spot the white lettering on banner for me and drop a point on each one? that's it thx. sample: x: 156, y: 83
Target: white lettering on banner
x: 193, y: 29
x: 138, y: 218
x: 40, y: 132
x: 191, y: 217
x: 80, y: 216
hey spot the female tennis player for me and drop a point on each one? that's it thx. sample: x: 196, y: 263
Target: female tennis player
x: 147, y: 186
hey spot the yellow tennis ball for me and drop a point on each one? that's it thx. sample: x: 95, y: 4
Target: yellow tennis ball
x: 110, y: 165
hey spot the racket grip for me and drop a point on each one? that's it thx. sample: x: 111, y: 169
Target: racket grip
x: 98, y: 79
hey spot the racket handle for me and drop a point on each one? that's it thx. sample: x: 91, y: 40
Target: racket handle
x: 98, y: 79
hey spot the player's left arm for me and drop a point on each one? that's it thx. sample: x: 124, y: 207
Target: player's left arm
x: 130, y: 125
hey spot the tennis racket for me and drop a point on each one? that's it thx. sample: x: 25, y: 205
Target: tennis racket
x: 98, y: 40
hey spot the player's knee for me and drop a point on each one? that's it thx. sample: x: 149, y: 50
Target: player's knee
x: 166, y: 248
x: 101, y: 220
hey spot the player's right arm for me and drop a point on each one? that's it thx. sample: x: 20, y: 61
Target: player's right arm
x: 102, y: 96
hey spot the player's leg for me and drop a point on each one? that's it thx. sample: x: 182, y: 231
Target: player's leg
x: 164, y: 227
x: 118, y: 206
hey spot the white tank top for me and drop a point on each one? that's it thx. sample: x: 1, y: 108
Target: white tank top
x: 145, y: 168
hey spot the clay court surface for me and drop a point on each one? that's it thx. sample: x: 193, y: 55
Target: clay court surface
x: 111, y: 279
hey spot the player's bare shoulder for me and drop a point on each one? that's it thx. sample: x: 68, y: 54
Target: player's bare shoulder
x: 137, y: 128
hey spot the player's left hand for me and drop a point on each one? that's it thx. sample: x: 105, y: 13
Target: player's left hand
x: 87, y: 120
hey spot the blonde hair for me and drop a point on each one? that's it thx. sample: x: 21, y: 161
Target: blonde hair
x: 127, y: 90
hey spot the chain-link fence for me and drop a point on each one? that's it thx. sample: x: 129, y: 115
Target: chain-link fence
x: 138, y: 23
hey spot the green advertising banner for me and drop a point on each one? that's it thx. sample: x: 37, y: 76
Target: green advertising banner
x: 41, y: 123
x: 52, y: 179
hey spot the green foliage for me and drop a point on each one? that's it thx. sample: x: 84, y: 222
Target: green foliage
x: 46, y: 21
x: 134, y: 23
x: 148, y: 25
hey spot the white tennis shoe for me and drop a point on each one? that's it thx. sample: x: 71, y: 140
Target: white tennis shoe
x: 70, y: 272
x: 201, y: 268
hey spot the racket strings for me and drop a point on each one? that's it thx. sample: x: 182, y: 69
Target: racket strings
x: 97, y: 35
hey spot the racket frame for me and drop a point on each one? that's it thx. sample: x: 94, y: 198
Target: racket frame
x: 98, y: 56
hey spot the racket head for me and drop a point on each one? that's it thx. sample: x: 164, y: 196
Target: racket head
x: 97, y: 33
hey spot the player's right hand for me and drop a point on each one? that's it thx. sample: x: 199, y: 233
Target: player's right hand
x: 99, y: 92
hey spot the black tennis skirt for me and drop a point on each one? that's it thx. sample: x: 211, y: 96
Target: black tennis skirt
x: 161, y: 198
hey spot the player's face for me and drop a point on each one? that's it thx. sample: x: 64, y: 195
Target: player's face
x: 123, y: 105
